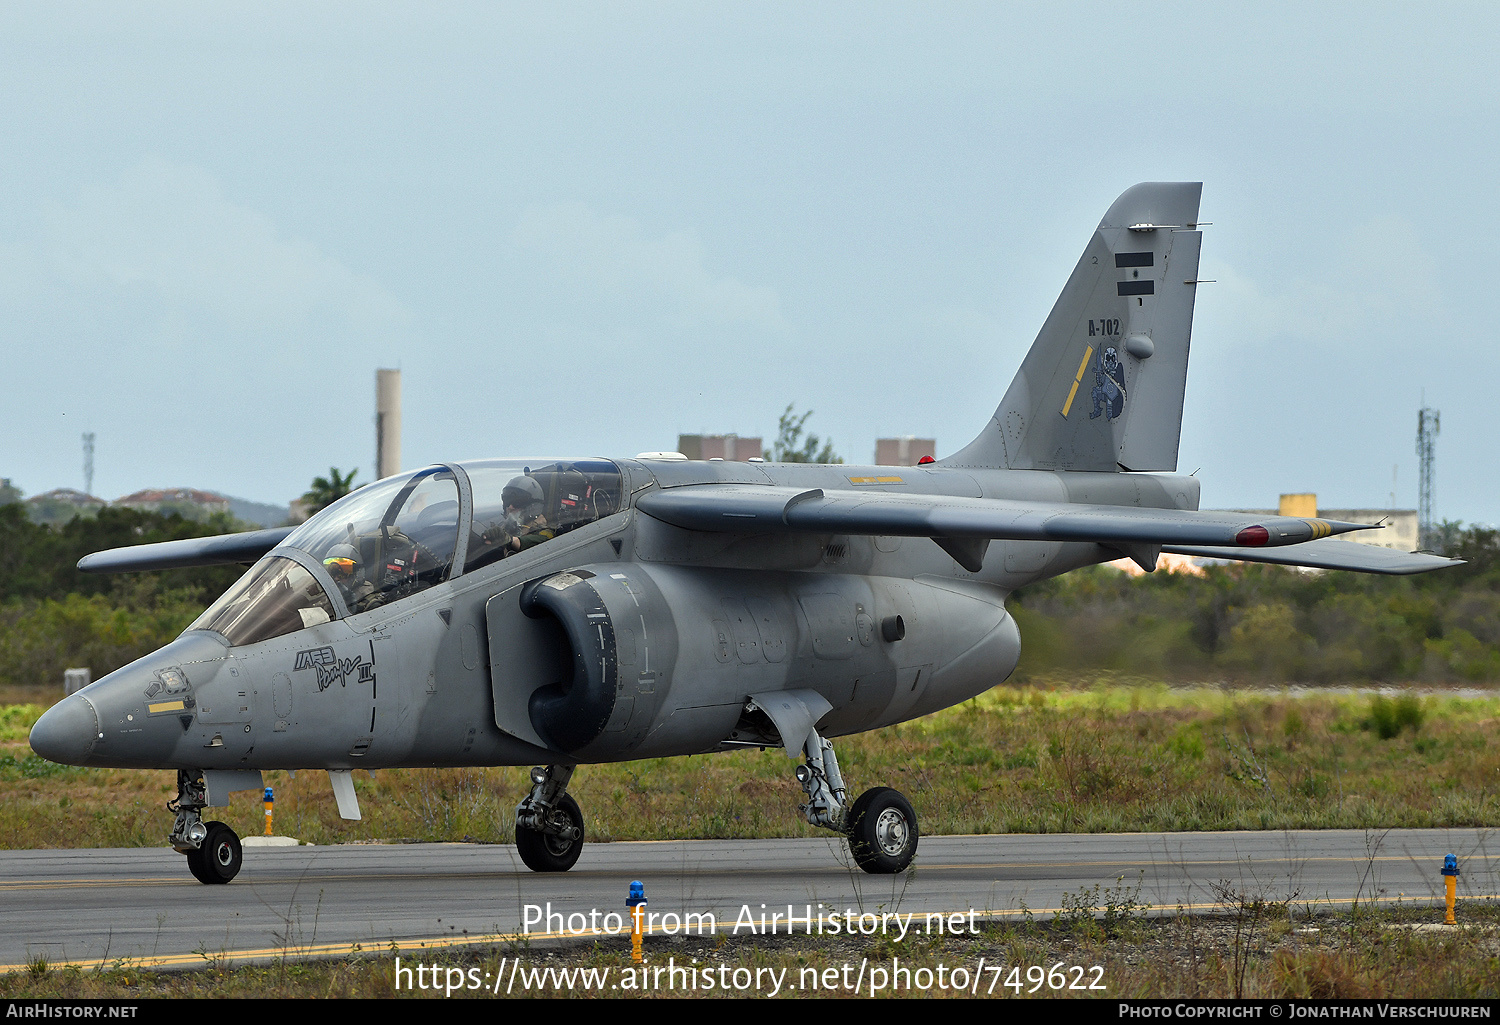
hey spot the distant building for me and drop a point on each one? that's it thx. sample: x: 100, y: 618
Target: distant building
x: 907, y: 451
x: 60, y: 505
x: 718, y: 446
x: 1400, y: 532
x: 187, y: 502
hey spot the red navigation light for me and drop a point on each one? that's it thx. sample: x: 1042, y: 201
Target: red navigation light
x: 1252, y: 537
x: 925, y: 460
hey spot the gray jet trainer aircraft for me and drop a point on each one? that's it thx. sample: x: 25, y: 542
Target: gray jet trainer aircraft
x: 574, y: 611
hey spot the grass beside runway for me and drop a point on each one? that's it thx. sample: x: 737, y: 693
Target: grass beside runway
x: 1119, y: 756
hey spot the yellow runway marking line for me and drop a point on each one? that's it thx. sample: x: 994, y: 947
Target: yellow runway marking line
x: 264, y: 953
x: 1217, y: 906
x: 1186, y: 862
x: 88, y: 884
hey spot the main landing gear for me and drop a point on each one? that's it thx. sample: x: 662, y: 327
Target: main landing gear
x: 549, y: 824
x: 212, y: 848
x: 881, y: 826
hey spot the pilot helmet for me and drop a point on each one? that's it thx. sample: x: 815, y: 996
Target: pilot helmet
x: 521, y: 492
x: 342, y: 560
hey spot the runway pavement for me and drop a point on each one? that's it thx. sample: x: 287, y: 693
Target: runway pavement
x: 91, y: 907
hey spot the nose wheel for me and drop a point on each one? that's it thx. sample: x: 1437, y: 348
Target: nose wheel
x: 558, y: 850
x: 219, y: 859
x: 212, y: 848
x: 549, y: 823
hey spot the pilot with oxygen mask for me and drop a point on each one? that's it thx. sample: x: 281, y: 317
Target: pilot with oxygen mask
x: 524, y: 518
x: 344, y: 565
x: 524, y: 526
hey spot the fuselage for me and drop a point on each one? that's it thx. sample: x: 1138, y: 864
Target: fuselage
x: 679, y: 628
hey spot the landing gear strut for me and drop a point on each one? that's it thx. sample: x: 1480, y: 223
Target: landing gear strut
x: 212, y: 848
x: 881, y: 826
x: 549, y: 824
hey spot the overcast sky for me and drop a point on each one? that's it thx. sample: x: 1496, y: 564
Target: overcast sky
x: 582, y: 229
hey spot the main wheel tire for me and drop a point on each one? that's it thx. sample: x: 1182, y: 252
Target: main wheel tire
x: 882, y: 831
x: 544, y: 853
x: 220, y: 857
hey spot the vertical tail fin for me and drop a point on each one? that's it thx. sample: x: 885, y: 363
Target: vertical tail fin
x: 1102, y: 387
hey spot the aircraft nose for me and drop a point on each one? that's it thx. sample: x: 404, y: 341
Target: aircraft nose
x: 67, y: 731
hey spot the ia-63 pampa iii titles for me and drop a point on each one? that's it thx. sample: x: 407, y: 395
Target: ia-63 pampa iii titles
x: 558, y: 613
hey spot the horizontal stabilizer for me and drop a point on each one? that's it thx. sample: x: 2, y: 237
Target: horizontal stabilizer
x: 1329, y: 554
x: 739, y: 508
x: 217, y: 550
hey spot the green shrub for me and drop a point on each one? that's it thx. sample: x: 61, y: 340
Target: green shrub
x: 1388, y: 718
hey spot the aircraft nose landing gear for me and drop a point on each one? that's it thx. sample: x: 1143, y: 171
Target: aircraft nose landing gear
x: 220, y: 857
x: 212, y: 848
x: 881, y: 826
x: 549, y: 823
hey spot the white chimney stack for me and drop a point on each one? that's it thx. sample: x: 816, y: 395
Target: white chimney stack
x: 387, y: 423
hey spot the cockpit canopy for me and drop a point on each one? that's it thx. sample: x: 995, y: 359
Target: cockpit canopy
x: 399, y: 536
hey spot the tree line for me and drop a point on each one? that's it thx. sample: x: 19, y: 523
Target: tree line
x: 52, y: 617
x: 1248, y: 623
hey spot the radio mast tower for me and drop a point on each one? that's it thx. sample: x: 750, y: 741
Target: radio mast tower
x: 1427, y: 431
x: 88, y: 463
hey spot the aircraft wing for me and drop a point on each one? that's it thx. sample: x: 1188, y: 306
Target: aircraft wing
x: 215, y: 550
x: 1327, y: 554
x: 755, y: 509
